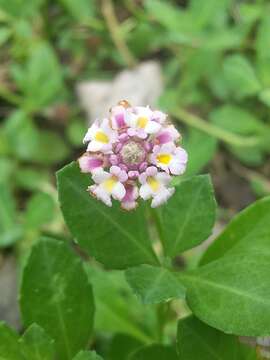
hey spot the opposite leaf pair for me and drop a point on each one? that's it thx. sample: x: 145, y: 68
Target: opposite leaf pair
x: 229, y: 291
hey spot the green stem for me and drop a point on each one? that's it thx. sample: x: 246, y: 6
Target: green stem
x: 108, y: 11
x: 156, y: 218
x: 213, y: 130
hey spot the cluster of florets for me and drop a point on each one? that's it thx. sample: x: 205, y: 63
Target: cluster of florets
x: 133, y: 153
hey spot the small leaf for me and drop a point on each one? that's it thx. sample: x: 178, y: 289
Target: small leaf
x: 189, y: 216
x: 56, y: 295
x: 208, y: 12
x: 81, y: 10
x: 7, y: 167
x: 196, y: 340
x: 75, y: 132
x: 263, y: 38
x: 18, y: 8
x: 154, y: 284
x: 236, y: 119
x: 29, y: 143
x: 240, y: 76
x: 122, y: 345
x: 9, y: 346
x: 112, y: 236
x: 87, y: 355
x: 263, y: 71
x: 51, y: 150
x: 239, y: 121
x: 264, y: 96
x: 40, y: 210
x: 22, y: 135
x: 117, y: 309
x: 231, y: 292
x: 41, y: 79
x: 176, y: 22
x: 5, y: 33
x: 154, y: 352
x: 31, y: 179
x: 36, y: 344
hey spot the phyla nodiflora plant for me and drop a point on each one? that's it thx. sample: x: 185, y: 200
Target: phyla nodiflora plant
x: 133, y: 153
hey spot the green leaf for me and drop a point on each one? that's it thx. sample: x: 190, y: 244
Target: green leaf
x: 9, y: 346
x: 154, y: 284
x: 7, y: 167
x: 225, y: 293
x: 22, y: 135
x: 112, y: 236
x: 189, y: 216
x: 5, y: 33
x: 264, y: 96
x: 75, y: 132
x: 250, y: 12
x: 263, y: 71
x: 20, y: 8
x: 28, y: 143
x: 81, y: 10
x: 40, y: 210
x: 154, y: 352
x: 227, y: 38
x: 87, y: 355
x: 237, y: 120
x: 10, y: 231
x: 240, y: 76
x: 196, y: 340
x: 56, y: 294
x: 245, y: 228
x: 208, y: 12
x: 197, y: 160
x: 31, y: 179
x: 117, y: 309
x: 51, y: 150
x: 176, y: 21
x: 36, y: 344
x: 41, y: 78
x: 263, y: 38
x: 122, y: 345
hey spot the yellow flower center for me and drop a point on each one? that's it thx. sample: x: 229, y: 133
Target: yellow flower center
x: 101, y: 137
x: 164, y: 158
x: 110, y: 183
x: 153, y: 183
x: 142, y: 121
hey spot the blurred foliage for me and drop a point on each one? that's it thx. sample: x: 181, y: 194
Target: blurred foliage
x: 215, y: 57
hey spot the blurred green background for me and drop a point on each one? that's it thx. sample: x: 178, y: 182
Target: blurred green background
x: 215, y: 64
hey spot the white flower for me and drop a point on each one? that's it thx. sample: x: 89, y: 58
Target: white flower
x: 155, y: 184
x: 167, y: 134
x: 89, y: 163
x: 170, y: 158
x: 109, y: 184
x: 142, y: 122
x: 100, y: 137
x: 118, y: 117
x: 129, y: 201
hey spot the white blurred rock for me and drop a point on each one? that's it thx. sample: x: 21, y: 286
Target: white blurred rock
x: 140, y: 86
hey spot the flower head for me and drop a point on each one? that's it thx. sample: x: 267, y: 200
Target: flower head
x: 133, y: 154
